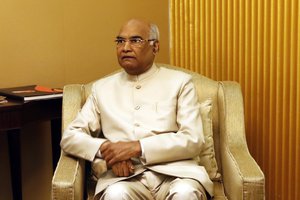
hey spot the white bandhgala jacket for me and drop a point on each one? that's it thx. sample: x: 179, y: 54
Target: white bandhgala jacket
x: 159, y: 108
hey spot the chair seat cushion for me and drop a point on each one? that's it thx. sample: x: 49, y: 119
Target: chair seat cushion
x: 219, y: 191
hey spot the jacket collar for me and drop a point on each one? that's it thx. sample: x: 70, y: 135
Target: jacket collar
x: 144, y: 75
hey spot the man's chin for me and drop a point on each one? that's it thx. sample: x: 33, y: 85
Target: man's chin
x: 129, y: 67
x: 128, y: 64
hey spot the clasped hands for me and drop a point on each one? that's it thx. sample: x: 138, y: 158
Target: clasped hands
x: 118, y: 156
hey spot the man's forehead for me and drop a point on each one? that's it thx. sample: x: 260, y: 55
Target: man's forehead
x: 135, y: 28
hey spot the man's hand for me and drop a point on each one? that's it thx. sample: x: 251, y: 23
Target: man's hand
x: 120, y: 151
x: 123, y: 168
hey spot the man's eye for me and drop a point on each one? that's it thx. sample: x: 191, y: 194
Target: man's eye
x: 119, y: 41
x: 135, y: 40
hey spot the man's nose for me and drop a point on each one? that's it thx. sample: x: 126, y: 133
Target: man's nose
x: 127, y: 46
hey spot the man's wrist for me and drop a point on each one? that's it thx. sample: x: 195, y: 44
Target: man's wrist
x: 99, y: 154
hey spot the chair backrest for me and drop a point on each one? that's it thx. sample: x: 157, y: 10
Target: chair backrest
x: 206, y: 88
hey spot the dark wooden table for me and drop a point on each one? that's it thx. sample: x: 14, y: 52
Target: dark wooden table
x: 13, y: 116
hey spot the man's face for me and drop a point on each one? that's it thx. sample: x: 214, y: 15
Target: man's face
x: 135, y: 54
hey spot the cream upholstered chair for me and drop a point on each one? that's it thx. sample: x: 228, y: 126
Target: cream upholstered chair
x: 235, y: 173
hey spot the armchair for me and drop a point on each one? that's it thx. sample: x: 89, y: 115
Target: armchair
x: 241, y: 177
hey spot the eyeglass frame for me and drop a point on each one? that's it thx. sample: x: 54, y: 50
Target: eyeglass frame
x: 120, y: 41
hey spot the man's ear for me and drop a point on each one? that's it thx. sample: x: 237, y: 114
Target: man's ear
x: 156, y: 47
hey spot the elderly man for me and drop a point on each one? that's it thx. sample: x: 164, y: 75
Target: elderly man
x: 151, y: 126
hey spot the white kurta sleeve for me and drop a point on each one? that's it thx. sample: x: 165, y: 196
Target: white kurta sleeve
x: 80, y: 138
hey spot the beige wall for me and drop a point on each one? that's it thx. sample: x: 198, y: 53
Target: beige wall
x: 57, y: 42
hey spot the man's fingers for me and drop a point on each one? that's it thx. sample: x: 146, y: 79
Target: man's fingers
x: 130, y: 167
x: 115, y: 170
x: 125, y: 168
x: 119, y: 151
x: 111, y: 158
x: 104, y: 146
x: 108, y: 153
x: 120, y: 170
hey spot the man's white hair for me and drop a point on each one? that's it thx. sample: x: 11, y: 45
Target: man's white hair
x: 154, y: 32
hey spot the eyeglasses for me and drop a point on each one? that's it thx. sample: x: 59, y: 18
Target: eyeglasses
x: 134, y: 42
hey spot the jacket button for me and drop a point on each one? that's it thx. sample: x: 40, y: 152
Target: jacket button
x: 137, y: 124
x: 137, y: 107
x: 138, y: 87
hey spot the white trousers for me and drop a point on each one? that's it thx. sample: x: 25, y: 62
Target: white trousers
x: 154, y: 186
